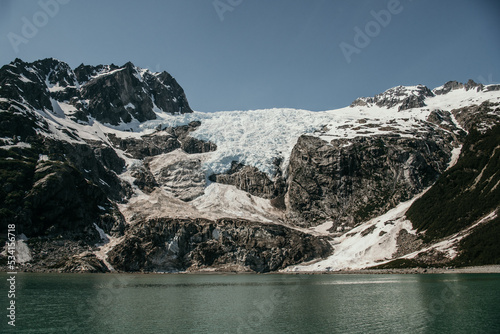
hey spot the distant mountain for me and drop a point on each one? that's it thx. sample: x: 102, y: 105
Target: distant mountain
x: 107, y: 168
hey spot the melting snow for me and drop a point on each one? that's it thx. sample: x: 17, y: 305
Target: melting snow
x: 19, y: 145
x: 257, y: 137
x: 449, y: 245
x: 366, y: 245
x: 130, y: 106
x: 102, y: 234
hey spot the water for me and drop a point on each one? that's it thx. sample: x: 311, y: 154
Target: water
x: 121, y: 303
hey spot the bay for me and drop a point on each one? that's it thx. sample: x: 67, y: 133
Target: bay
x: 247, y: 303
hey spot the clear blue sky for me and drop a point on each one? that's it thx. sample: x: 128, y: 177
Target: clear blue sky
x: 266, y: 53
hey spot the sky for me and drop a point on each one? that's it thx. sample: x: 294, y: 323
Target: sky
x: 255, y: 54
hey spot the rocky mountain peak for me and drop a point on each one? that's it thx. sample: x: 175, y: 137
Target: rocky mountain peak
x: 85, y: 73
x: 405, y: 96
x: 96, y: 151
x: 108, y: 93
x: 454, y: 85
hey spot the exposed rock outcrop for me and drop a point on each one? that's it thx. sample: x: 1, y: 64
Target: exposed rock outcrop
x: 453, y: 85
x: 182, y: 177
x: 405, y: 97
x: 107, y: 93
x: 349, y: 181
x: 84, y: 263
x: 413, y: 101
x: 63, y: 202
x: 163, y: 141
x: 253, y: 181
x: 482, y: 117
x: 197, y: 244
x: 77, y: 169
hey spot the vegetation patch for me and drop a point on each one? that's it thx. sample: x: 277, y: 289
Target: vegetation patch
x: 481, y: 246
x: 465, y: 192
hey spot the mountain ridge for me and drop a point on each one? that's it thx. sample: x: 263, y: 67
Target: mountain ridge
x: 121, y: 147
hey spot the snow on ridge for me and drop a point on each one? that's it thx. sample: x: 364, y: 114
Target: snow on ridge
x: 105, y: 72
x: 257, y: 137
x: 254, y: 137
x: 371, y: 243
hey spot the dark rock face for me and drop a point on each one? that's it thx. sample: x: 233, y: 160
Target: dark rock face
x: 118, y: 97
x: 397, y: 96
x: 17, y: 83
x: 481, y: 117
x: 453, y: 85
x: 64, y: 194
x: 163, y: 141
x: 253, y: 181
x: 168, y: 94
x: 84, y: 73
x: 62, y: 255
x: 449, y: 86
x: 412, y: 102
x: 350, y: 181
x: 465, y: 193
x: 99, y: 164
x: 144, y: 179
x: 123, y: 94
x: 147, y: 146
x: 62, y: 201
x: 492, y: 88
x: 108, y: 93
x: 443, y: 120
x: 21, y: 126
x: 84, y: 263
x: 194, y: 244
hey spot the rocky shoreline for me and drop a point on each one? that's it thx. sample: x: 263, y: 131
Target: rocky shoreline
x: 487, y: 269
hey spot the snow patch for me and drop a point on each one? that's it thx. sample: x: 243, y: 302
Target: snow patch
x: 224, y: 200
x: 130, y: 106
x: 18, y: 145
x: 23, y: 252
x: 43, y: 157
x: 323, y: 228
x: 455, y: 154
x: 104, y: 237
x: 449, y: 245
x: 366, y: 245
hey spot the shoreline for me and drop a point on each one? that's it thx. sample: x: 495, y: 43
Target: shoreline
x: 486, y: 269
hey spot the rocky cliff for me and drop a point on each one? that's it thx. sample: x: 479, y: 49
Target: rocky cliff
x: 107, y: 168
x: 225, y: 244
x: 351, y: 181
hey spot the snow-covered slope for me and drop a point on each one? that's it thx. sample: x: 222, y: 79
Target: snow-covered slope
x: 129, y: 135
x: 368, y: 244
x: 256, y: 137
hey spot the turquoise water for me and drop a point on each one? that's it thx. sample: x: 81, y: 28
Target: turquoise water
x: 121, y: 303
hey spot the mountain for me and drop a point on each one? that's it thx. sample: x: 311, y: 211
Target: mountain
x: 107, y: 168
